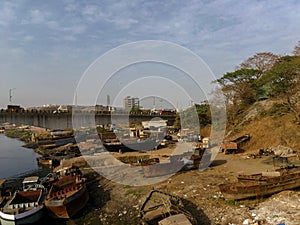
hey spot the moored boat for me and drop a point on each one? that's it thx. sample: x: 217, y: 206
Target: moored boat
x: 26, y: 206
x: 131, y: 144
x: 258, y: 185
x: 67, y: 196
x: 44, y: 160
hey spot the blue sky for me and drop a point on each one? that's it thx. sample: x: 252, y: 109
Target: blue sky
x: 46, y: 46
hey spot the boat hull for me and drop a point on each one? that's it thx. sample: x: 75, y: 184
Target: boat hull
x: 260, y: 188
x: 128, y: 146
x: 27, y: 217
x: 68, y: 207
x: 44, y: 161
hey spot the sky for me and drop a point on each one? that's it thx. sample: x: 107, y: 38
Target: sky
x: 46, y: 47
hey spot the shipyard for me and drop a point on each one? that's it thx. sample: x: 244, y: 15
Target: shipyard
x: 150, y: 112
x: 75, y: 161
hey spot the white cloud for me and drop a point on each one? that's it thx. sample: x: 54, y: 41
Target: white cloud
x: 7, y: 13
x: 37, y: 17
x: 90, y: 10
x: 69, y: 38
x: 28, y: 38
x: 123, y: 23
x: 222, y: 32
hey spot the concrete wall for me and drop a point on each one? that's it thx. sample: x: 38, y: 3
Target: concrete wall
x: 64, y: 120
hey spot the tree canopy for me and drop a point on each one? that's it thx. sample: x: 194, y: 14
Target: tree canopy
x: 296, y: 51
x: 264, y: 75
x: 262, y: 62
x: 284, y: 82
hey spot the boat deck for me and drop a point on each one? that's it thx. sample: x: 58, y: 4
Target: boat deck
x: 23, y: 201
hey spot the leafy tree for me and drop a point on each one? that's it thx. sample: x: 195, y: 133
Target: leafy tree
x: 284, y: 82
x: 296, y: 51
x: 135, y: 109
x: 177, y: 124
x: 198, y: 112
x: 204, y: 114
x: 262, y: 62
x: 239, y: 86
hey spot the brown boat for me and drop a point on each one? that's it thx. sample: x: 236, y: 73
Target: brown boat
x: 67, y: 196
x: 262, y: 184
x: 155, y: 168
x: 44, y: 160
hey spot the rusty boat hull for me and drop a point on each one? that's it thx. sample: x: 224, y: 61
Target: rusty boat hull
x: 259, y: 185
x: 67, y: 201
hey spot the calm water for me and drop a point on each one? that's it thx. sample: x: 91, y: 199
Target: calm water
x: 14, y: 159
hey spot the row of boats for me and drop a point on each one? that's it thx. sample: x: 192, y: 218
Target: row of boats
x: 62, y: 193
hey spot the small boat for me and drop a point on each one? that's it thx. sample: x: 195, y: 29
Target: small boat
x: 44, y: 160
x: 55, y: 142
x: 262, y: 184
x: 67, y: 196
x: 131, y: 144
x: 153, y: 167
x: 26, y: 206
x: 161, y: 208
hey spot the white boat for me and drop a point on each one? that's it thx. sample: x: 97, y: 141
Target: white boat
x: 26, y: 206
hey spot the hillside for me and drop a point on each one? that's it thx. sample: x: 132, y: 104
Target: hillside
x: 269, y: 124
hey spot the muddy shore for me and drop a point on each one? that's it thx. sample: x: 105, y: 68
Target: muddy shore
x: 113, y: 203
x: 116, y: 204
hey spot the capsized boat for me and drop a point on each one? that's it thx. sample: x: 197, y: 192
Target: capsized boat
x: 26, y: 206
x: 67, y: 196
x: 161, y: 208
x: 262, y: 184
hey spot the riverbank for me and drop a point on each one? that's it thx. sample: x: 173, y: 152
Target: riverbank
x: 113, y: 203
x: 117, y: 204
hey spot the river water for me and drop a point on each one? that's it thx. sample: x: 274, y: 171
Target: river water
x: 17, y: 162
x: 14, y: 159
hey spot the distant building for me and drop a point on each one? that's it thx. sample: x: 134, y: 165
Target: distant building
x: 14, y: 108
x: 130, y: 102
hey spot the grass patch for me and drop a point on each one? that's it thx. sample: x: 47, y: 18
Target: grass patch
x: 23, y: 135
x: 137, y: 192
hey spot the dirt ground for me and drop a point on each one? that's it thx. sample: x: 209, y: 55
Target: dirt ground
x: 117, y: 204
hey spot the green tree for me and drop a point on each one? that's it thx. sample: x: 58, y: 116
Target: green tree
x: 177, y: 124
x: 199, y: 112
x: 239, y: 87
x: 135, y: 109
x: 283, y: 81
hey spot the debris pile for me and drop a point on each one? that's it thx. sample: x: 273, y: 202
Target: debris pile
x: 282, y: 208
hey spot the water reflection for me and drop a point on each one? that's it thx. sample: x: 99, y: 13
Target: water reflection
x: 14, y: 159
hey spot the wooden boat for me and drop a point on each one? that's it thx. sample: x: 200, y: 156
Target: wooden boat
x: 55, y: 142
x: 26, y: 206
x: 161, y: 208
x: 67, y: 196
x: 131, y: 144
x: 153, y: 167
x: 44, y: 160
x: 262, y: 184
